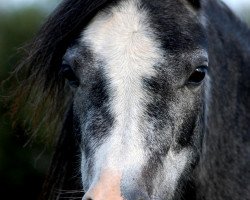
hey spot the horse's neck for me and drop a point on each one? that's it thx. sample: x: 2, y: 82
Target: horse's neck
x: 229, y: 50
x: 225, y: 159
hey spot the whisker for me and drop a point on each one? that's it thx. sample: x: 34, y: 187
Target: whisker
x: 61, y: 190
x: 70, y: 192
x: 70, y: 197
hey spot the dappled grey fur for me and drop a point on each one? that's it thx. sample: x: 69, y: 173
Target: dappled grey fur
x: 215, y: 129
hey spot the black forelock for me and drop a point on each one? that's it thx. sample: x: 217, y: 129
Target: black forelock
x: 39, y: 71
x: 61, y: 28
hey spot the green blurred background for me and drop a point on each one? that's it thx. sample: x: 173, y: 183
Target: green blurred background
x: 23, y: 162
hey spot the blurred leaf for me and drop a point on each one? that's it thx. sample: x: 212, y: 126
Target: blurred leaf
x: 22, y: 168
x: 16, y: 29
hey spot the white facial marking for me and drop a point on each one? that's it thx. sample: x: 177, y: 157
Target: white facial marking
x: 173, y: 166
x: 123, y: 40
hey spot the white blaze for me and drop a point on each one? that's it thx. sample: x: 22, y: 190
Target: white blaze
x: 122, y: 39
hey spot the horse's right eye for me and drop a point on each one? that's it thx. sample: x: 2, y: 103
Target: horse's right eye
x: 69, y: 74
x: 198, y: 75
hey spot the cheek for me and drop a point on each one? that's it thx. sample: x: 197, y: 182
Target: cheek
x: 87, y: 171
x: 80, y: 104
x: 188, y: 130
x: 85, y: 168
x: 186, y: 104
x: 174, y: 167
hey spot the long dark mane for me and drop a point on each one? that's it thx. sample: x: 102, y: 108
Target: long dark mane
x: 42, y: 87
x: 43, y: 94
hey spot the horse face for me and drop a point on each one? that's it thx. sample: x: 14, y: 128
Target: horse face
x: 139, y: 102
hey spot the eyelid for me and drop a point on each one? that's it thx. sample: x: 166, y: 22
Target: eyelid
x: 73, y: 63
x: 200, y: 58
x: 67, y: 62
x: 69, y: 59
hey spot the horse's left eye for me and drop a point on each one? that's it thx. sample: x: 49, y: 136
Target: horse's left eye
x: 198, y: 75
x: 69, y: 74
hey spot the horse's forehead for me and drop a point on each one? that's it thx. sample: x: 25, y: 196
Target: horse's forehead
x: 144, y: 32
x: 122, y: 36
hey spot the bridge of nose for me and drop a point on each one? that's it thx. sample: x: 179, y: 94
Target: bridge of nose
x: 107, y: 187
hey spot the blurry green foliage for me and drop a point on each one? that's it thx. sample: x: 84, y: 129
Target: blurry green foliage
x: 22, y: 167
x: 16, y: 29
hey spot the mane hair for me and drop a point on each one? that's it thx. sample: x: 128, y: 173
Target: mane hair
x: 42, y: 89
x: 63, y: 180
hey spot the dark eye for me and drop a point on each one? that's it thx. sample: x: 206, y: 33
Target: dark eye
x: 69, y: 74
x: 198, y: 75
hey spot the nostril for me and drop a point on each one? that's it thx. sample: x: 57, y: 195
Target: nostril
x: 87, y: 197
